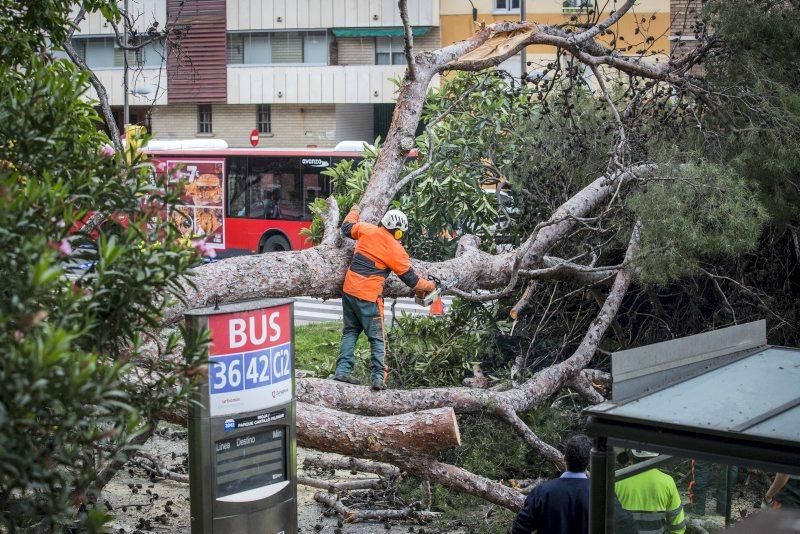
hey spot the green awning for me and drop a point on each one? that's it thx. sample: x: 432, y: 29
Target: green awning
x: 379, y: 32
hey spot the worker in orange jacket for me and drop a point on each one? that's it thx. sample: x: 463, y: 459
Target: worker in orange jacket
x: 378, y: 253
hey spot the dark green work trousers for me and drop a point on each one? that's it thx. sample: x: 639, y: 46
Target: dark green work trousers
x: 706, y: 474
x: 362, y: 316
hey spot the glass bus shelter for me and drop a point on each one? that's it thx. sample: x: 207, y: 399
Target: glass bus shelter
x: 723, y: 396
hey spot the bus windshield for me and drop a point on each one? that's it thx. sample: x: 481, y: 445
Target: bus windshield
x: 274, y: 187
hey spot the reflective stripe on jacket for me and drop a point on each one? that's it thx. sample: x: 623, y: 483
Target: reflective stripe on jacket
x: 377, y: 254
x: 654, y: 501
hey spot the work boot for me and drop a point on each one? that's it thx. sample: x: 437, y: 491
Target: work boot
x: 377, y: 384
x: 347, y: 379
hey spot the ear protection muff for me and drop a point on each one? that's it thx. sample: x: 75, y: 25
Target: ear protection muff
x: 398, y: 234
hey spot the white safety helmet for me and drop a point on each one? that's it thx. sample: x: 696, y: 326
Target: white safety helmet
x: 638, y: 453
x: 395, y: 220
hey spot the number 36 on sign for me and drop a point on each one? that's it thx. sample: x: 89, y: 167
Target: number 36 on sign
x: 250, y: 360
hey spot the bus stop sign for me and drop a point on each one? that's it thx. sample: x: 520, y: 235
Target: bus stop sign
x: 242, y: 441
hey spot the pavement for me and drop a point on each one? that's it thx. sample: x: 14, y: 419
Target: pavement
x: 141, y: 505
x: 308, y: 310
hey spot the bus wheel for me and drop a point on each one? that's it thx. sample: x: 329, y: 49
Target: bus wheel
x: 275, y: 243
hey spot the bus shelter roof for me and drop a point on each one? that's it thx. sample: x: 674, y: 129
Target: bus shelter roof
x: 738, y: 403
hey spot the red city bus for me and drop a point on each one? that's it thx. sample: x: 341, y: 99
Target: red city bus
x: 248, y: 200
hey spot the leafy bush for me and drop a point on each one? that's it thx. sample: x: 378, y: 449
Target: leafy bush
x: 77, y: 389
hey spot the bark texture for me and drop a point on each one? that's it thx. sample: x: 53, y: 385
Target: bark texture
x: 329, y: 461
x: 379, y: 438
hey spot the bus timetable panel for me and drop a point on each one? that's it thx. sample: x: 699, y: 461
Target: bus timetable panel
x: 250, y: 461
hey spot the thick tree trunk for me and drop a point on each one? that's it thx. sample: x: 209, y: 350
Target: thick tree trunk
x: 319, y: 272
x: 379, y: 438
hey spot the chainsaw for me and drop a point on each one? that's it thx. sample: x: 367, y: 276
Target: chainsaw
x: 431, y: 297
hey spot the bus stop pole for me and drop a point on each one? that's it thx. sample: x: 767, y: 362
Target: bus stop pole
x: 598, y: 486
x: 728, y: 494
x: 610, y: 495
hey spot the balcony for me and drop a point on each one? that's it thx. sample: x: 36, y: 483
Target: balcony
x: 150, y: 81
x: 329, y: 84
x: 143, y: 14
x: 314, y: 14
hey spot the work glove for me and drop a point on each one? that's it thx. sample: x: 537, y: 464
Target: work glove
x: 424, y: 287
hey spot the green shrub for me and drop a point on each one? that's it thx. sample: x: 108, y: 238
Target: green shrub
x: 70, y: 345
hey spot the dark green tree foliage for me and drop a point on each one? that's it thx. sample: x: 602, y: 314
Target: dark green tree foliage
x: 755, y: 107
x: 707, y: 213
x: 70, y: 404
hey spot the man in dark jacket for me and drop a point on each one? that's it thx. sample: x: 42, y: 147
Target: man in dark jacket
x: 561, y: 506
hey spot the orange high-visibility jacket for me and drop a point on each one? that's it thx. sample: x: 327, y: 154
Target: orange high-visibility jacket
x: 377, y: 254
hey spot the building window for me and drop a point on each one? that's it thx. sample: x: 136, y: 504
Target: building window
x: 506, y: 6
x: 389, y: 51
x: 257, y: 49
x: 315, y: 48
x: 99, y: 52
x: 264, y: 118
x: 270, y: 48
x: 150, y: 55
x: 575, y: 5
x: 204, y: 119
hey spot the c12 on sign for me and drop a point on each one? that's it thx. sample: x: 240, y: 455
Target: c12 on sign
x: 250, y: 360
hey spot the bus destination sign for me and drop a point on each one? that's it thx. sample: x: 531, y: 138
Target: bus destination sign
x: 250, y: 360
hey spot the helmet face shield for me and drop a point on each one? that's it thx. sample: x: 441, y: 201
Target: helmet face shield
x: 395, y: 220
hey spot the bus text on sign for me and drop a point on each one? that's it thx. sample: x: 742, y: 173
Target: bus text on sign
x: 250, y: 364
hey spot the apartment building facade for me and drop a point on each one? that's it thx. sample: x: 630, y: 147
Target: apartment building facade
x: 300, y: 72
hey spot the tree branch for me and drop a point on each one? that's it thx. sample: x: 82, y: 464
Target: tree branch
x: 585, y: 389
x: 601, y: 27
x: 335, y: 487
x: 350, y: 515
x: 408, y: 36
x: 327, y: 461
x: 541, y: 386
x: 102, y: 94
x: 524, y: 431
x: 332, y: 237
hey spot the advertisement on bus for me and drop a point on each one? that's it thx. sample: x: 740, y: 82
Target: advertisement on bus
x: 200, y: 210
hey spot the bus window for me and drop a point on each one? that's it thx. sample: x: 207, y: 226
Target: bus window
x: 273, y: 189
x: 290, y: 196
x: 237, y: 186
x: 314, y: 186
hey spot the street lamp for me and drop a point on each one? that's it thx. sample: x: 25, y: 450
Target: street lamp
x: 522, y: 54
x: 126, y: 112
x: 141, y: 91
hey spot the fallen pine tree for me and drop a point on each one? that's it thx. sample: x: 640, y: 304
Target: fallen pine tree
x: 407, y: 427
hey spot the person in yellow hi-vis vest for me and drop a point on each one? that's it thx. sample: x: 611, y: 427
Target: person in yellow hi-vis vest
x: 652, y: 497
